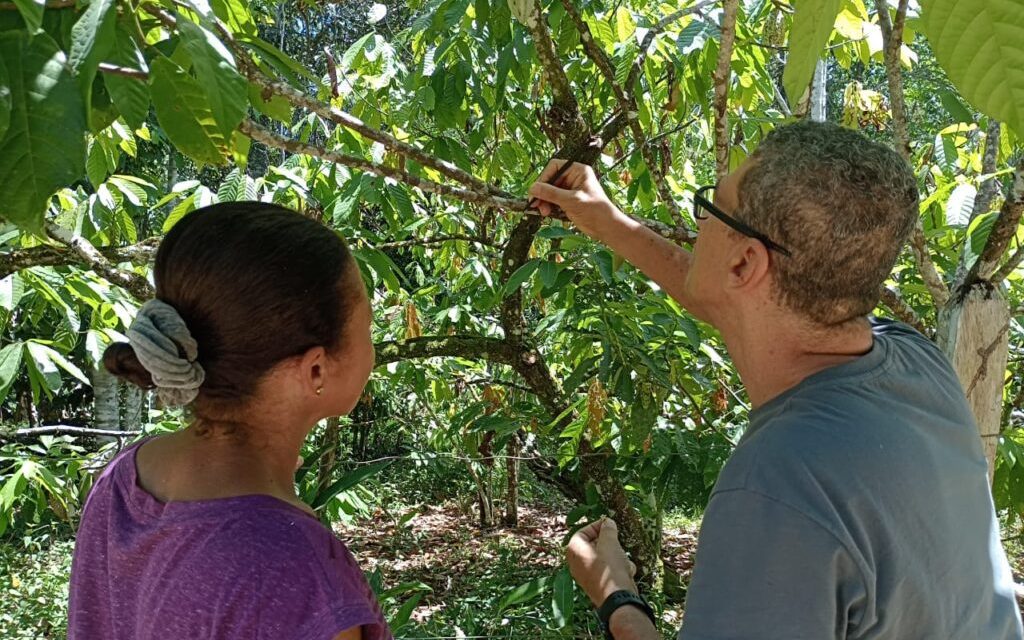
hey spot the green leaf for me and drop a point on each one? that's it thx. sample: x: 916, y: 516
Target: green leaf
x: 350, y: 54
x: 980, y: 44
x: 96, y: 165
x: 548, y: 273
x: 130, y: 96
x: 961, y: 204
x: 624, y: 23
x: 91, y: 38
x: 274, y: 106
x: 44, y: 147
x: 5, y: 99
x: 525, y: 592
x: 226, y: 90
x: 12, y: 288
x: 236, y: 14
x: 563, y: 600
x: 236, y: 186
x: 521, y: 275
x: 347, y: 482
x: 401, y: 617
x: 604, y: 261
x: 10, y: 363
x: 42, y: 366
x: 381, y: 265
x: 185, y: 114
x: 812, y: 25
x: 178, y: 212
x: 62, y: 362
x: 31, y: 12
x: 977, y: 235
x: 954, y: 107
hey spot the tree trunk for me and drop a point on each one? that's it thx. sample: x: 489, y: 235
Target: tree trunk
x: 484, y: 499
x: 819, y: 112
x: 131, y: 414
x: 974, y: 334
x: 512, y: 467
x: 329, y: 453
x: 106, y: 413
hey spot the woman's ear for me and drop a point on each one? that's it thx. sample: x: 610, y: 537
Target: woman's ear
x: 313, y: 370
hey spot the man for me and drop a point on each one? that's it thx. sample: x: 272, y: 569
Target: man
x: 857, y: 503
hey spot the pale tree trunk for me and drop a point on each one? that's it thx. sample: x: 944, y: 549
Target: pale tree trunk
x: 974, y: 335
x: 485, y: 501
x: 973, y: 322
x: 106, y: 412
x: 133, y: 403
x: 819, y: 112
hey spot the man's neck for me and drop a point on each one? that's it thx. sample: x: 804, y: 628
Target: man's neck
x: 770, y: 362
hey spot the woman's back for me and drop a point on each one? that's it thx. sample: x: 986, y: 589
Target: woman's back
x: 249, y: 566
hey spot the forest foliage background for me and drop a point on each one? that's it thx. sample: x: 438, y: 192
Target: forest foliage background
x: 528, y: 380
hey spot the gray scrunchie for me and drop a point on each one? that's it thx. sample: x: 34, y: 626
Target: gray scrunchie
x: 158, y: 335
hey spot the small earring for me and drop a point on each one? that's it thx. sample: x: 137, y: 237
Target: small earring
x: 319, y: 391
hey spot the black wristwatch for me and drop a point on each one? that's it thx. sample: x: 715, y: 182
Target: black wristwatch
x: 621, y: 599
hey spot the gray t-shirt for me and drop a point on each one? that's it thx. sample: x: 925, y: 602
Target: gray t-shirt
x: 856, y: 506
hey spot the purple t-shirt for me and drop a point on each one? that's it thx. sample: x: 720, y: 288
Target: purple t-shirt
x: 249, y: 567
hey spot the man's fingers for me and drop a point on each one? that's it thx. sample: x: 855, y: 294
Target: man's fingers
x: 610, y: 528
x: 632, y: 569
x: 590, y: 532
x: 550, y: 193
x: 553, y: 166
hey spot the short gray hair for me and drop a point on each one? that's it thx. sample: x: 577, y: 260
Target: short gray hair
x: 842, y: 204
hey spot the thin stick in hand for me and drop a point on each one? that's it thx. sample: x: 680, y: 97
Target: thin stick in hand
x: 553, y: 179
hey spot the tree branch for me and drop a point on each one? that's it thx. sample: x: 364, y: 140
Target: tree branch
x: 722, y: 76
x: 990, y: 188
x: 652, y: 33
x: 565, y: 112
x: 131, y: 282
x: 986, y: 193
x: 261, y: 134
x: 423, y: 242
x: 903, y: 311
x: 460, y: 346
x: 1008, y: 268
x: 56, y: 255
x: 627, y: 104
x: 892, y: 42
x: 300, y: 99
x: 1004, y: 230
x: 64, y: 429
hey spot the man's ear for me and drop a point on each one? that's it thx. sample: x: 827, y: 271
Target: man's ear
x: 748, y: 266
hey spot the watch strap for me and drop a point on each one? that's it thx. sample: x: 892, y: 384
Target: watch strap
x: 618, y: 599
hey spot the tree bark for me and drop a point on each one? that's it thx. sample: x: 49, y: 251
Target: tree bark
x: 973, y: 333
x: 131, y: 413
x: 329, y: 453
x: 513, y: 449
x: 819, y: 104
x: 106, y: 412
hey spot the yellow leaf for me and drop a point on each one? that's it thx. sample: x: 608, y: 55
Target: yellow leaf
x: 597, y: 400
x: 413, y: 329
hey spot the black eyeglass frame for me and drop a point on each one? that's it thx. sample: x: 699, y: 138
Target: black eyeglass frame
x: 701, y: 202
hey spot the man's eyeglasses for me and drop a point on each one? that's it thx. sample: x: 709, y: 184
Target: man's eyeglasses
x: 703, y: 205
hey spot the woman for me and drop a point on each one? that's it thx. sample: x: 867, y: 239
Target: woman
x: 261, y: 327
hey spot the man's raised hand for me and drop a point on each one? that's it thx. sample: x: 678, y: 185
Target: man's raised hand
x: 578, y: 193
